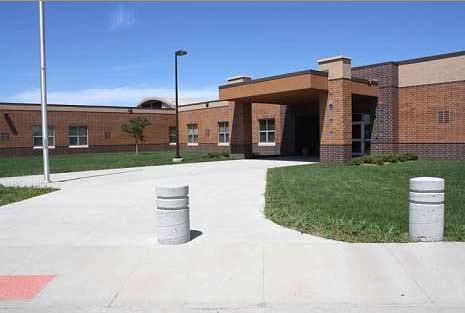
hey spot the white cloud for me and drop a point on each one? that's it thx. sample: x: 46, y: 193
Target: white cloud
x: 122, y: 17
x: 120, y: 96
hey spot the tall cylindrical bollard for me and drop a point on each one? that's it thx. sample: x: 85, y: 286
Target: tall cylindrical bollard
x: 426, y: 209
x: 172, y: 214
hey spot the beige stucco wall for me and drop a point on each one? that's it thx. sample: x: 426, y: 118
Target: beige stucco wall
x: 432, y: 72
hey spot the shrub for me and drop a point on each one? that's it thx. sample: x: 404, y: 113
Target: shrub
x: 411, y: 156
x: 212, y: 155
x: 392, y: 158
x: 356, y: 161
x: 381, y: 159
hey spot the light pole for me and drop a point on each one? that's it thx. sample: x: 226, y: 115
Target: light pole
x: 177, y: 54
x: 43, y: 93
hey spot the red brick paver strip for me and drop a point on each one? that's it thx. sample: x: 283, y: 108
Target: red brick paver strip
x: 22, y: 287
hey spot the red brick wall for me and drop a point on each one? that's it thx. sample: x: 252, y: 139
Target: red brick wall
x: 419, y: 107
x: 97, y: 124
x: 336, y: 123
x: 207, y: 122
x: 385, y: 135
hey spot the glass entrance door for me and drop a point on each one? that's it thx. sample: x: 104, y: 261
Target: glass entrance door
x: 361, y: 134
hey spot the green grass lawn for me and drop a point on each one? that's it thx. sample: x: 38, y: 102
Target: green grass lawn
x: 14, y: 194
x: 30, y: 165
x: 360, y: 203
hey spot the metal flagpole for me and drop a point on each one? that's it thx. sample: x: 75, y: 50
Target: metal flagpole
x: 43, y: 93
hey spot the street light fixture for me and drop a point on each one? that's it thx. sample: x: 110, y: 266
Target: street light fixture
x: 177, y: 54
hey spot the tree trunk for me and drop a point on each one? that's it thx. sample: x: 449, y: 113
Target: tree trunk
x: 137, y: 147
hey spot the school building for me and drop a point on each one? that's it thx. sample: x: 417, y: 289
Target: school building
x: 334, y: 113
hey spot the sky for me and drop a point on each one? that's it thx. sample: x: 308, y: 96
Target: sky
x: 118, y: 53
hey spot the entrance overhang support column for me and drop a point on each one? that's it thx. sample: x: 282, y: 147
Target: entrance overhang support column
x: 336, y: 111
x: 241, y: 130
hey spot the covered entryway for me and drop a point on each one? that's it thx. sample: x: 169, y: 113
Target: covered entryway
x: 315, y: 116
x: 307, y: 135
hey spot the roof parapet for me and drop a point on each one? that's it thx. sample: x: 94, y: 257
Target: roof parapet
x: 239, y: 79
x: 334, y: 59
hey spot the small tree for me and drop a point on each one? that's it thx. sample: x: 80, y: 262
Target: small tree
x: 135, y: 128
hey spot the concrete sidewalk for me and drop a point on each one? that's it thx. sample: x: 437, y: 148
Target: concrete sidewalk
x: 96, y: 235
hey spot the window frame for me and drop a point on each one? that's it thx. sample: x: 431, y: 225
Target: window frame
x: 51, y: 134
x: 226, y: 134
x: 444, y: 117
x: 267, y: 132
x: 171, y: 143
x: 194, y: 135
x: 4, y: 137
x: 78, y: 136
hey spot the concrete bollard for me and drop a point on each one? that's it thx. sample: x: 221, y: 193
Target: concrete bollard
x: 172, y: 214
x: 426, y: 209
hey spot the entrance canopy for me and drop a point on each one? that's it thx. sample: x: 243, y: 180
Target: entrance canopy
x: 292, y: 88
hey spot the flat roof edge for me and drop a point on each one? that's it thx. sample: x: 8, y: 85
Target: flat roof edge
x: 315, y: 72
x: 80, y: 106
x: 414, y: 60
x: 203, y: 102
x: 433, y: 57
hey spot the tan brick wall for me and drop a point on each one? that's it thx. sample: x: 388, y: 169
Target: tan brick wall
x: 419, y: 107
x: 432, y: 72
x: 97, y: 123
x: 337, y: 67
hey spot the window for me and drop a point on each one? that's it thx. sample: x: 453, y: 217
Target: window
x: 78, y: 136
x: 192, y: 134
x: 154, y: 104
x: 266, y: 131
x: 107, y: 135
x: 4, y: 137
x: 223, y: 133
x: 172, y: 135
x: 37, y: 136
x: 443, y: 117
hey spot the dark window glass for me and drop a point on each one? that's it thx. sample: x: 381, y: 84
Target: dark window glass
x: 356, y: 117
x: 172, y: 134
x: 356, y: 131
x: 37, y: 136
x: 4, y: 137
x: 356, y: 147
x: 271, y: 137
x: 223, y: 132
x: 73, y: 141
x: 78, y: 136
x: 443, y: 117
x: 266, y: 131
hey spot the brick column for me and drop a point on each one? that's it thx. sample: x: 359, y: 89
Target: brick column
x: 336, y: 111
x: 241, y: 130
